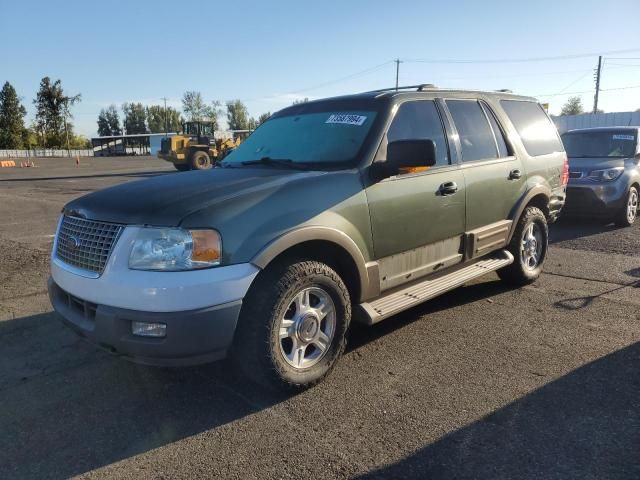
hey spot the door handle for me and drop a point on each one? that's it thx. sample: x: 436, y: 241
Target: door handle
x: 448, y: 188
x: 515, y: 174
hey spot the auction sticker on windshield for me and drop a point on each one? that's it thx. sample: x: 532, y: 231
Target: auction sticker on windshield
x: 624, y: 137
x: 347, y: 119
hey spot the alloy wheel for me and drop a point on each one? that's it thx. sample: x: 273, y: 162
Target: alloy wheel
x: 632, y: 206
x: 531, y: 249
x: 307, y: 328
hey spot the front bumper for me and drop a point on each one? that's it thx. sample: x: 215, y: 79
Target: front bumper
x: 200, y: 308
x: 591, y: 199
x: 192, y: 337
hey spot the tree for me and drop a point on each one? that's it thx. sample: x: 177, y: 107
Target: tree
x: 12, y: 114
x: 156, y: 119
x: 212, y: 113
x: 135, y: 118
x: 30, y: 137
x: 263, y: 118
x: 572, y: 107
x: 194, y: 106
x: 53, y: 113
x: 109, y: 122
x: 238, y: 116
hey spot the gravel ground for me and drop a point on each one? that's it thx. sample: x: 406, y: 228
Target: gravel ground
x: 484, y: 382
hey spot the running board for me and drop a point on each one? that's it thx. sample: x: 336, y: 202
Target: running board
x: 398, y: 300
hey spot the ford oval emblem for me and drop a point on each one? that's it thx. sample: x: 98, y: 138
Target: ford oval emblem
x: 73, y: 243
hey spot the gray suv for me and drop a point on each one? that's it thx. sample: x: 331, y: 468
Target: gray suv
x: 604, y: 178
x: 348, y: 208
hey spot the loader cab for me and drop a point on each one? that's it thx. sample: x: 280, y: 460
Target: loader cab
x: 201, y: 133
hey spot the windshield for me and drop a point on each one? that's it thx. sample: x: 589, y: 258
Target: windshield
x: 328, y: 138
x: 610, y: 143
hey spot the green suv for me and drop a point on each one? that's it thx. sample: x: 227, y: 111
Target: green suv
x: 346, y: 209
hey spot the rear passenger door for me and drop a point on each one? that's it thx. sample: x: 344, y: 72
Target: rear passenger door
x: 494, y: 175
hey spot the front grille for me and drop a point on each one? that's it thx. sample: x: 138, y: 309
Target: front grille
x: 86, y: 244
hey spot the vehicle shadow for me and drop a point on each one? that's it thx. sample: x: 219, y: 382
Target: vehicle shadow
x: 361, y: 334
x: 584, y: 425
x: 572, y: 228
x: 67, y: 408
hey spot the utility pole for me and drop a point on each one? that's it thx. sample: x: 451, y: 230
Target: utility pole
x: 166, y: 133
x: 598, y: 72
x: 398, y: 62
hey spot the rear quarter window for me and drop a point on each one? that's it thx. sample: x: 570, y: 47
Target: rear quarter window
x: 539, y: 136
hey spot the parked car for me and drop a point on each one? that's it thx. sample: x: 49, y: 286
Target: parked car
x: 604, y: 178
x: 352, y: 207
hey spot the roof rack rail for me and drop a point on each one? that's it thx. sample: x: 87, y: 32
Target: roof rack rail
x: 418, y: 88
x: 504, y: 90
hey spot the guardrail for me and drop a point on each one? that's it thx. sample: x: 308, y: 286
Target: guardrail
x: 45, y: 152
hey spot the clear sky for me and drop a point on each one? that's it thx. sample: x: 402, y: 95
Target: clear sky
x: 268, y: 53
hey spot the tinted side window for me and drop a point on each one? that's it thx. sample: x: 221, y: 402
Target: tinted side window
x: 473, y: 128
x: 538, y: 134
x: 420, y: 120
x: 503, y: 151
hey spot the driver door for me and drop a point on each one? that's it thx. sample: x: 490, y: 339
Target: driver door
x: 417, y: 218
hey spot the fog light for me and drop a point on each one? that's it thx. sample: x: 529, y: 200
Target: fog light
x: 145, y: 329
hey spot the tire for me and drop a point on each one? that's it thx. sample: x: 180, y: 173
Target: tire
x: 181, y: 167
x: 528, y: 256
x: 628, y: 214
x: 200, y: 161
x: 274, y: 320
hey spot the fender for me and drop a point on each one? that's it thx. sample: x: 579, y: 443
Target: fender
x: 367, y: 272
x: 522, y: 204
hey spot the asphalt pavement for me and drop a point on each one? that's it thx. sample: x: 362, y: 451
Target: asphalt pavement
x: 484, y: 382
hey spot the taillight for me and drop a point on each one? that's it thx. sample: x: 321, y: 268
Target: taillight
x: 564, y: 179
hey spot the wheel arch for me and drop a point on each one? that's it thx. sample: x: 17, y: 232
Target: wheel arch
x: 538, y: 196
x: 330, y: 246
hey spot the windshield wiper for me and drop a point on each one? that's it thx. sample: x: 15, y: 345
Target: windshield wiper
x: 277, y: 162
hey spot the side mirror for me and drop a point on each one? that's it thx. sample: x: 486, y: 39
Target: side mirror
x: 637, y: 157
x: 411, y: 153
x: 403, y: 154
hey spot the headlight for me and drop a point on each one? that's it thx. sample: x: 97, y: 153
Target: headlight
x: 607, y: 175
x: 175, y: 249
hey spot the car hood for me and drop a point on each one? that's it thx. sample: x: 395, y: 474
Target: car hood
x: 586, y: 165
x: 166, y: 200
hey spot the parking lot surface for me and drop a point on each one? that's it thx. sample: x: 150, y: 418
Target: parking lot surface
x: 485, y: 382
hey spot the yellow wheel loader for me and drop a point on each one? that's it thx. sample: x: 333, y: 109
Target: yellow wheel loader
x: 196, y: 148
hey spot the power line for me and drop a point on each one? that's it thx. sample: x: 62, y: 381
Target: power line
x: 348, y: 77
x: 521, y: 60
x: 586, y: 91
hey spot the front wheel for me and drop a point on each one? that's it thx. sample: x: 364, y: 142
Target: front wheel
x: 627, y: 215
x: 200, y: 161
x: 529, y: 248
x: 293, y: 325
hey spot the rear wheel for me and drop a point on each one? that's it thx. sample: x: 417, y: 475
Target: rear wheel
x: 200, y: 161
x: 293, y: 325
x: 528, y: 247
x: 627, y: 215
